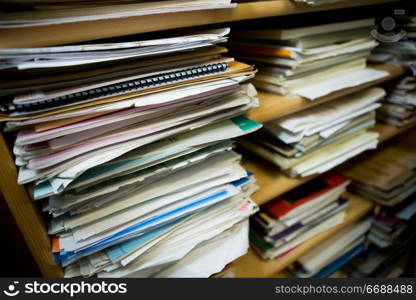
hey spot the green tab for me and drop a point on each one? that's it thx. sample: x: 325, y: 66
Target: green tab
x: 245, y: 123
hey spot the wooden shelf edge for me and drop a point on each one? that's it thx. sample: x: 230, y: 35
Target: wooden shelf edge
x: 388, y: 132
x: 273, y: 183
x: 251, y: 265
x: 273, y: 106
x: 27, y: 215
x: 99, y: 29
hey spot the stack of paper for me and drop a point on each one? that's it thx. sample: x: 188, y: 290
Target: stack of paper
x: 390, y: 240
x: 386, y: 177
x: 46, y: 12
x: 286, y: 222
x: 399, y: 105
x: 334, y: 253
x: 128, y: 147
x: 317, y: 139
x: 311, y: 61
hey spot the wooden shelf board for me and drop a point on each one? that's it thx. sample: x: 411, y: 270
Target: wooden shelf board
x: 273, y: 182
x: 273, y: 106
x: 89, y: 30
x: 26, y: 214
x: 251, y: 265
x: 388, y: 132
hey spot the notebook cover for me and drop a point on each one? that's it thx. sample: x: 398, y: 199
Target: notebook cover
x: 280, y: 206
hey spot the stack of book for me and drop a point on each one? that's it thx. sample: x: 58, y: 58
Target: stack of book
x: 391, y: 224
x: 317, y: 139
x: 334, y: 253
x: 127, y: 144
x: 389, y: 237
x: 386, y: 177
x: 311, y: 61
x: 399, y: 105
x: 286, y: 222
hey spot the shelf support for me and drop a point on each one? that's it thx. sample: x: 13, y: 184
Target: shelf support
x: 26, y: 214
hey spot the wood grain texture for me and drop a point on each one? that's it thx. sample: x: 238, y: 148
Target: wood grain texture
x: 89, y: 30
x: 26, y: 215
x: 251, y: 265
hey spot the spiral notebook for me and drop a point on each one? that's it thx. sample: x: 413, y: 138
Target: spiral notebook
x: 119, y: 87
x: 123, y: 89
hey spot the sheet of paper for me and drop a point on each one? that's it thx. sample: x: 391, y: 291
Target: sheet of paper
x: 204, y: 261
x: 348, y: 80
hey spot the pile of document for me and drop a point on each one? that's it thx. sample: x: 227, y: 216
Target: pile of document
x: 390, y: 240
x: 377, y: 263
x: 399, y: 105
x: 311, y: 61
x: 128, y: 146
x: 334, y: 253
x: 391, y: 225
x: 28, y: 13
x: 319, y: 138
x: 386, y: 177
x: 286, y: 222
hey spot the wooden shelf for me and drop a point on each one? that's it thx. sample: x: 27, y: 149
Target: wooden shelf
x: 25, y: 212
x: 388, y: 132
x: 251, y: 265
x: 273, y: 106
x: 273, y: 182
x: 89, y: 30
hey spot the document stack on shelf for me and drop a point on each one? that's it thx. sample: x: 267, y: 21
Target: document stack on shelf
x: 390, y: 240
x: 286, y: 222
x: 127, y: 144
x: 15, y: 14
x: 399, y: 105
x: 387, y: 178
x: 311, y: 61
x: 334, y: 253
x: 317, y: 139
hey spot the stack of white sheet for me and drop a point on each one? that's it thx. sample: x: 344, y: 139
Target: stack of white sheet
x: 311, y: 61
x: 129, y: 148
x: 34, y: 13
x: 315, y: 140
